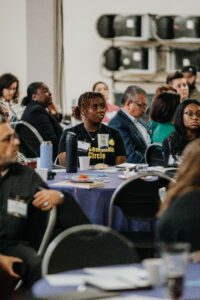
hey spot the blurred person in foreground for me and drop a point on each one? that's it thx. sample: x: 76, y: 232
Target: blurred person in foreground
x: 133, y: 130
x: 179, y: 213
x: 24, y: 204
x: 190, y: 74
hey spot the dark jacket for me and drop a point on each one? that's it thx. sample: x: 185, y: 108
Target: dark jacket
x: 44, y: 122
x: 134, y: 142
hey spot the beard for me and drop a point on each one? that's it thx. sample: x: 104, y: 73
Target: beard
x: 191, y: 86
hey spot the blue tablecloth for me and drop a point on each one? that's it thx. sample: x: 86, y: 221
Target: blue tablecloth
x: 191, y: 290
x: 95, y: 202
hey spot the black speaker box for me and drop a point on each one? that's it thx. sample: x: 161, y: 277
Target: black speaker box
x: 105, y: 26
x: 186, y: 27
x: 112, y: 59
x: 164, y: 27
x: 134, y: 58
x: 127, y: 25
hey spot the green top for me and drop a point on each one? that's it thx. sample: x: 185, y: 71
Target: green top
x: 162, y: 131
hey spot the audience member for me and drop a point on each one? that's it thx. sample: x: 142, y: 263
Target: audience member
x: 25, y: 200
x: 162, y: 112
x: 166, y: 88
x: 179, y: 214
x: 190, y: 74
x: 37, y: 100
x: 9, y: 93
x: 179, y: 83
x: 91, y: 107
x: 111, y: 109
x: 187, y: 129
x: 127, y: 121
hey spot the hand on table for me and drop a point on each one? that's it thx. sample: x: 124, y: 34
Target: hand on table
x: 46, y: 199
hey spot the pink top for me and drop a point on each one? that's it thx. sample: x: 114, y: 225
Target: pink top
x: 110, y: 112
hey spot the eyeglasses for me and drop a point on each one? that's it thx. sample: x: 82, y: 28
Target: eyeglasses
x: 143, y: 106
x: 191, y: 114
x: 10, y: 137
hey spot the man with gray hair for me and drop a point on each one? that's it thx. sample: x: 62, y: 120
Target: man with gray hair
x: 133, y: 130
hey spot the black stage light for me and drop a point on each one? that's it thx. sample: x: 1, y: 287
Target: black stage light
x: 112, y: 59
x: 105, y: 26
x: 164, y: 27
x: 185, y: 57
x: 116, y: 58
x: 134, y: 58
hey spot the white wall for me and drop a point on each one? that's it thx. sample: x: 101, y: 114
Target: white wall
x: 26, y: 35
x: 83, y: 45
x: 13, y: 50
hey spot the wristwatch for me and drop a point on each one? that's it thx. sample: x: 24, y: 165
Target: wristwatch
x: 62, y: 196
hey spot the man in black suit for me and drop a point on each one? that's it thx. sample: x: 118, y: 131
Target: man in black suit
x: 37, y: 100
x: 127, y: 121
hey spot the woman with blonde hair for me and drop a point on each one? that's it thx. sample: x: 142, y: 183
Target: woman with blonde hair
x: 179, y: 215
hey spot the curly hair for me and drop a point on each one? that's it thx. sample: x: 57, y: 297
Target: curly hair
x: 84, y: 101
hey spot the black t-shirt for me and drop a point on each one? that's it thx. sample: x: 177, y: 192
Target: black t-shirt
x: 106, y: 155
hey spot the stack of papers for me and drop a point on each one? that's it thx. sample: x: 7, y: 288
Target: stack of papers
x: 84, y: 185
x: 117, y: 278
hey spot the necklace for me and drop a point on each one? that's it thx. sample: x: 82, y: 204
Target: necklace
x: 93, y: 138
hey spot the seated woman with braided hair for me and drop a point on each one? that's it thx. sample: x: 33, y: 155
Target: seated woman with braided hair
x: 91, y: 109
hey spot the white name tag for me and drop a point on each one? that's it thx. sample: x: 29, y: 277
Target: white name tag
x: 17, y: 208
x: 103, y: 140
x: 83, y: 145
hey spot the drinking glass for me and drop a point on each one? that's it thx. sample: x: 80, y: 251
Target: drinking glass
x: 175, y: 257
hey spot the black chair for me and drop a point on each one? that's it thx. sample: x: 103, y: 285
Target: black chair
x: 138, y: 198
x: 87, y: 246
x: 30, y: 139
x: 51, y: 222
x: 154, y: 155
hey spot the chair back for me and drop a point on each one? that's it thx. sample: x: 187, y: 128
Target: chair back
x: 51, y: 221
x: 48, y: 232
x: 87, y: 246
x: 154, y: 155
x: 30, y: 139
x: 138, y: 197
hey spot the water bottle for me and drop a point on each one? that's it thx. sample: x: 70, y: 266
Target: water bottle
x: 71, y: 152
x: 46, y: 155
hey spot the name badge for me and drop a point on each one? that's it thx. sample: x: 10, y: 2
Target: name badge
x: 17, y: 208
x: 84, y: 146
x: 103, y: 140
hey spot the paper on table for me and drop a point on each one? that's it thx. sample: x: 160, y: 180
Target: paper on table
x: 128, y: 272
x: 132, y: 297
x: 126, y: 165
x: 66, y: 279
x: 84, y: 185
